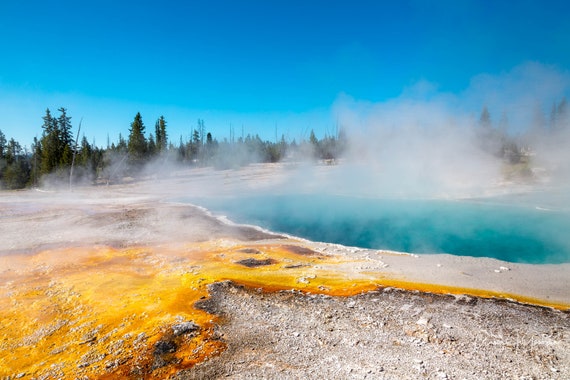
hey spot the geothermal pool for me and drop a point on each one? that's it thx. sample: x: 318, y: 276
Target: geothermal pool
x: 522, y: 228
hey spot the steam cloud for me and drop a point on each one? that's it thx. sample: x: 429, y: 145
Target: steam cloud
x: 424, y: 143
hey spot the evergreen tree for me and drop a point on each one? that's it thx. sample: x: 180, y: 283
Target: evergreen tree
x: 313, y: 139
x: 201, y: 130
x: 160, y: 133
x: 485, y: 118
x: 152, y: 146
x: 2, y: 144
x: 86, y: 153
x: 210, y: 147
x: 121, y: 145
x: 49, y: 123
x: 16, y: 172
x: 195, y: 146
x: 36, y: 160
x: 50, y: 144
x: 313, y: 149
x: 137, y: 145
x: 196, y: 137
x: 181, y: 150
x: 489, y: 139
x: 65, y: 138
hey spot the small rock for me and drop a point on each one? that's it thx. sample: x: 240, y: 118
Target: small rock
x: 164, y: 346
x: 184, y: 328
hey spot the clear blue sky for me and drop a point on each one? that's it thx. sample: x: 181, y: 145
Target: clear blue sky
x: 263, y: 65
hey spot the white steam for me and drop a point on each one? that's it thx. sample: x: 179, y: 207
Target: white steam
x: 410, y: 147
x: 426, y: 143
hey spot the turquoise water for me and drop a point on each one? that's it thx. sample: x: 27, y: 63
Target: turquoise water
x: 502, y: 228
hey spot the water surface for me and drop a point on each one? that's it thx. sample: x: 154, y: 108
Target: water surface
x: 514, y: 228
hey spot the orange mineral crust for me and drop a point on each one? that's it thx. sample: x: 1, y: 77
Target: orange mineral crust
x: 105, y: 312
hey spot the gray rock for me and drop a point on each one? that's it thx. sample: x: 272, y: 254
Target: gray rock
x: 184, y: 328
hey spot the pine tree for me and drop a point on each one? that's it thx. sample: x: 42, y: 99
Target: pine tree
x: 485, y: 118
x: 181, y: 150
x: 152, y: 147
x: 50, y: 144
x: 122, y: 144
x: 85, y: 155
x: 65, y: 138
x: 36, y: 159
x: 17, y: 171
x: 202, y: 130
x: 2, y: 144
x: 137, y: 145
x: 313, y: 139
x: 195, y: 146
x: 157, y: 134
x: 160, y: 133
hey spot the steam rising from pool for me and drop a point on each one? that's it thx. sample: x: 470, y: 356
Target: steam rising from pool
x: 510, y: 228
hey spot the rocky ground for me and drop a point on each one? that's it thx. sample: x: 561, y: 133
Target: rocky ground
x: 388, y: 334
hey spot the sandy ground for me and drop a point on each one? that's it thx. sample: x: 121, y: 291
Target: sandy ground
x: 388, y: 333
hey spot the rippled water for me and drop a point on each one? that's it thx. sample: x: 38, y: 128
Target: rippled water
x: 513, y: 228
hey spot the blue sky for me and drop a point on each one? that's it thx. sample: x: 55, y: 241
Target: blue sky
x: 265, y: 65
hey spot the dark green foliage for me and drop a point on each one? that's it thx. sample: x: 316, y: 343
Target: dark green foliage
x: 53, y: 152
x: 161, y: 136
x: 35, y: 162
x: 65, y: 138
x: 50, y: 144
x: 137, y: 145
x: 2, y: 144
x: 56, y: 144
x: 152, y: 148
x: 88, y: 162
x: 17, y: 174
x: 14, y: 165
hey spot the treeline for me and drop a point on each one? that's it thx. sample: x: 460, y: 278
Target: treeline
x: 50, y: 156
x: 493, y: 137
x: 59, y: 158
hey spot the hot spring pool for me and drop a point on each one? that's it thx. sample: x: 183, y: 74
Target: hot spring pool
x: 515, y: 231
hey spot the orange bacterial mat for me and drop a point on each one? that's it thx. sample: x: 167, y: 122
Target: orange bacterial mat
x: 104, y: 312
